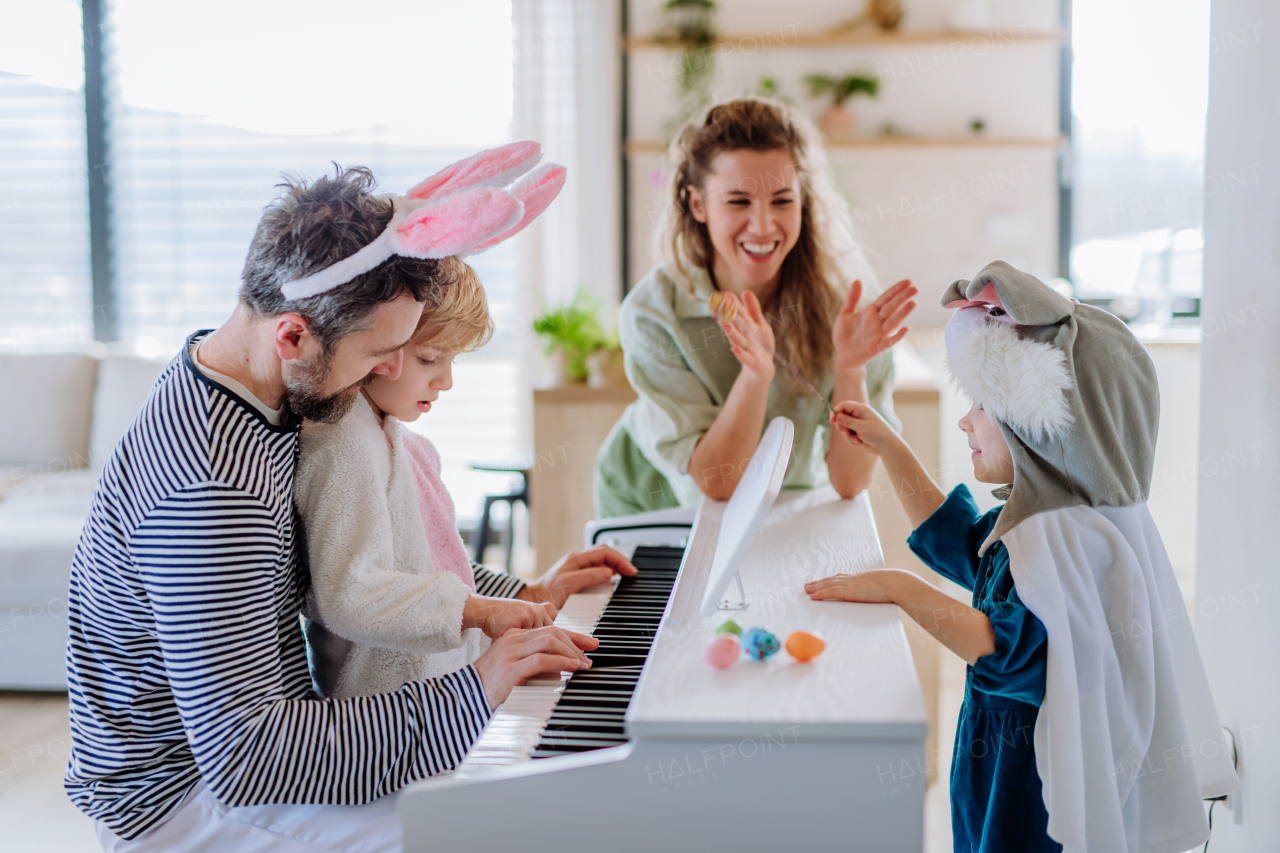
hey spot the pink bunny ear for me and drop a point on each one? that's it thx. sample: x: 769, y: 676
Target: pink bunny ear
x: 457, y: 222
x: 536, y: 190
x: 495, y: 167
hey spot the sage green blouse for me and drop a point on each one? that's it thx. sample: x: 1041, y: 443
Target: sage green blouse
x: 679, y: 361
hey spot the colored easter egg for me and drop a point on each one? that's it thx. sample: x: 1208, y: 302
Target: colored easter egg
x: 723, y: 651
x: 759, y: 643
x: 730, y: 627
x: 722, y: 309
x: 804, y: 646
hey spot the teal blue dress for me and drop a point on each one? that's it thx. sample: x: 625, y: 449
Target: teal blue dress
x: 996, y: 803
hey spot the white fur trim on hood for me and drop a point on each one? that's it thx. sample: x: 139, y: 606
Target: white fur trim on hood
x: 1018, y: 381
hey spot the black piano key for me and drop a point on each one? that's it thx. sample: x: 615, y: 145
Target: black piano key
x: 615, y: 659
x: 585, y: 728
x: 549, y: 751
x: 589, y: 716
x: 604, y: 691
x: 599, y: 699
x: 572, y: 739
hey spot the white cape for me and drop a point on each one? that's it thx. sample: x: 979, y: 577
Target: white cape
x: 1128, y: 740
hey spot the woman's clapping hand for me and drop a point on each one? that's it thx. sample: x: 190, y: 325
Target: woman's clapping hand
x: 862, y: 334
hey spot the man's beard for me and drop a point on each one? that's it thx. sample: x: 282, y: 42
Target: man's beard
x: 304, y: 389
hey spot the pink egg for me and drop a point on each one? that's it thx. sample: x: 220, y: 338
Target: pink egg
x: 723, y: 651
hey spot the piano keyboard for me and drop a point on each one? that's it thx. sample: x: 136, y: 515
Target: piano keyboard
x: 585, y: 710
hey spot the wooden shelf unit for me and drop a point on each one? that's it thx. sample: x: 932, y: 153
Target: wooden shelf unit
x: 782, y: 39
x: 651, y: 147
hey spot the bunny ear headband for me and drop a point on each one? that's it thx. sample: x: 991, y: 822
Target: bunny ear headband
x: 1001, y: 349
x: 460, y: 210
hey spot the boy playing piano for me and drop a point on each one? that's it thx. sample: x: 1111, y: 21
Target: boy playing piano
x: 393, y: 597
x: 1083, y: 672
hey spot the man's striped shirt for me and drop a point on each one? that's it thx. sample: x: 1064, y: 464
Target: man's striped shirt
x: 186, y: 660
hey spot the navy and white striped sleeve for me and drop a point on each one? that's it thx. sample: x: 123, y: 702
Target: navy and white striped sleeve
x: 207, y: 557
x: 496, y: 584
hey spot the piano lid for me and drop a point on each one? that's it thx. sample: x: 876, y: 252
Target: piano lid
x: 863, y: 686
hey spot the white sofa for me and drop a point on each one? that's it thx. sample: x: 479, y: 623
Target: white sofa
x: 64, y: 414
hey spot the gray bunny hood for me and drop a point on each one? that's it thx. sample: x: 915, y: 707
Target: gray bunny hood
x: 1073, y: 390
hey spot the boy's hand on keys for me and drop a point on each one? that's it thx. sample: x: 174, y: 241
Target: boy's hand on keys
x: 575, y: 572
x: 497, y: 616
x: 860, y: 424
x: 520, y: 655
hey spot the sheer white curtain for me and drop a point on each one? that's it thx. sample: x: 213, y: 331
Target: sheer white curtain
x: 567, y: 96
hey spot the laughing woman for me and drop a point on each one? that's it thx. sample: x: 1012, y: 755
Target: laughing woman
x: 753, y: 214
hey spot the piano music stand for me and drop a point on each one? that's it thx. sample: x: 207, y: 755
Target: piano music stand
x: 745, y: 514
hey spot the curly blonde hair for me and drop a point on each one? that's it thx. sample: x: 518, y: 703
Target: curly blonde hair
x: 456, y: 316
x: 816, y: 274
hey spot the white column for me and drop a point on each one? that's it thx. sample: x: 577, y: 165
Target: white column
x: 1238, y: 552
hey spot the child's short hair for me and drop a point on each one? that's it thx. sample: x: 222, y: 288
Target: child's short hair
x: 458, y: 320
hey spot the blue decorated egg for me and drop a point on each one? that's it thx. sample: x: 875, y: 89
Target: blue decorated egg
x: 759, y: 643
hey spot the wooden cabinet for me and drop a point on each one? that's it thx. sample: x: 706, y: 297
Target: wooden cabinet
x: 918, y: 403
x: 570, y: 423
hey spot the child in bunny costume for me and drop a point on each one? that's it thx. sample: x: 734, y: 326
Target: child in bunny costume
x: 1078, y: 634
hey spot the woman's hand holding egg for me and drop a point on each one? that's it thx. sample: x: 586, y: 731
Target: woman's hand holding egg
x: 750, y: 336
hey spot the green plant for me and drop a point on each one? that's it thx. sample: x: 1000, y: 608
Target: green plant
x: 690, y: 26
x: 689, y: 22
x: 574, y: 329
x: 841, y: 89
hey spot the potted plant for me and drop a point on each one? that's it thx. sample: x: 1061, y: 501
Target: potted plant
x: 690, y: 26
x: 884, y: 14
x: 573, y: 332
x: 837, y: 119
x: 605, y: 366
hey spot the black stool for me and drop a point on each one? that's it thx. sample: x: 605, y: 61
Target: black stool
x: 484, y: 529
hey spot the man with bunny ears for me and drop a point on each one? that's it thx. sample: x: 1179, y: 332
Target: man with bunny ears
x: 194, y: 724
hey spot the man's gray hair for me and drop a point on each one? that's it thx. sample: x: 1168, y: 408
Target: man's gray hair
x: 314, y: 225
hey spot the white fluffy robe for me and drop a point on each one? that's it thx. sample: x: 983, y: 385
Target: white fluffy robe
x: 390, y: 616
x: 1128, y: 740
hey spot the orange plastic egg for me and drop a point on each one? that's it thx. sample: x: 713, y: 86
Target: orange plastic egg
x: 804, y: 646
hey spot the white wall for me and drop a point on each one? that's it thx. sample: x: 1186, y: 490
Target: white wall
x: 1239, y: 515
x: 931, y: 214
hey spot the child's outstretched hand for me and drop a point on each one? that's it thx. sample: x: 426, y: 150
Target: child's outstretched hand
x: 497, y: 616
x: 875, y: 587
x: 861, y: 424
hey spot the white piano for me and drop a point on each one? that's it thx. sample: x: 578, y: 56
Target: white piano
x: 655, y: 750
